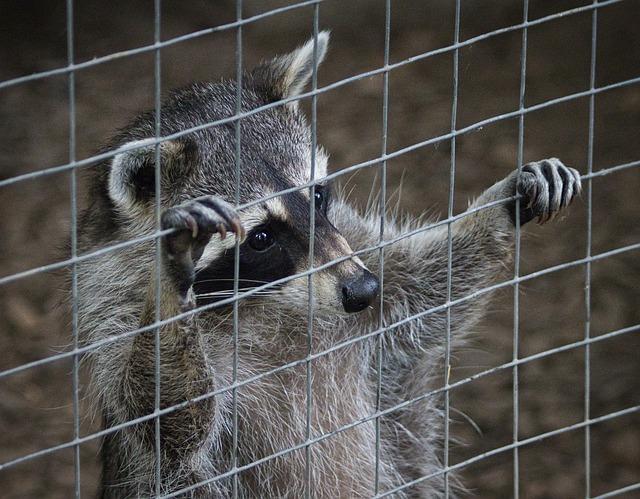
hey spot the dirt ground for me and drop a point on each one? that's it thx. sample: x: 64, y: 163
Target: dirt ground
x: 35, y: 405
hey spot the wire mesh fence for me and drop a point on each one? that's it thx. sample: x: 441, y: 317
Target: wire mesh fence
x: 386, y: 328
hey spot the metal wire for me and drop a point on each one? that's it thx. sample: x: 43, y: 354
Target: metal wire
x: 521, y: 443
x: 382, y: 213
x: 73, y: 165
x: 360, y: 76
x: 308, y: 491
x: 75, y: 376
x: 176, y: 407
x: 236, y: 258
x: 516, y: 259
x: 619, y: 492
x: 587, y: 278
x: 452, y: 181
x: 100, y: 343
x: 72, y: 68
x: 157, y: 6
x: 365, y: 164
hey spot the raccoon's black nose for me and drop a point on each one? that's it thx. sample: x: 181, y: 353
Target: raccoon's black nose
x: 359, y: 292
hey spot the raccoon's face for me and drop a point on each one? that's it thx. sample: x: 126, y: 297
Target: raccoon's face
x: 277, y: 247
x: 275, y: 156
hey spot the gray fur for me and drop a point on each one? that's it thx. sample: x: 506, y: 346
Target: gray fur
x: 117, y: 295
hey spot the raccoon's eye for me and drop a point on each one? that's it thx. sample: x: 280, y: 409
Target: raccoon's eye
x: 261, y: 240
x: 320, y: 200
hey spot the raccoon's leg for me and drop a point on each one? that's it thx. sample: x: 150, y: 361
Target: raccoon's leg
x: 416, y: 280
x: 416, y: 267
x: 184, y: 370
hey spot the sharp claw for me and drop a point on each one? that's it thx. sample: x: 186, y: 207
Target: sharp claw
x: 238, y: 229
x: 193, y: 225
x: 222, y: 230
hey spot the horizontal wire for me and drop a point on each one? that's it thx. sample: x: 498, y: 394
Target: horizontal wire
x: 238, y: 116
x: 148, y: 237
x: 172, y: 41
x: 617, y: 492
x: 612, y: 169
x: 418, y: 145
x: 131, y: 242
x: 518, y: 444
x: 152, y: 47
x: 252, y: 379
x: 72, y: 68
x: 226, y: 301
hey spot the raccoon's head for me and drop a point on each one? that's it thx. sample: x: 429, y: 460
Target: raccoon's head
x: 275, y: 155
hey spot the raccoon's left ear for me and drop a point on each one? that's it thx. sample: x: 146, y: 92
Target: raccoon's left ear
x: 287, y: 75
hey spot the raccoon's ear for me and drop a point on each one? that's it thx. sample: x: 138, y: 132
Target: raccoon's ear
x: 286, y: 76
x: 132, y: 172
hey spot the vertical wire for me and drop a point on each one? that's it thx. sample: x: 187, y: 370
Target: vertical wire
x: 587, y: 284
x: 236, y: 260
x: 312, y: 228
x: 382, y: 208
x: 452, y: 178
x: 516, y: 265
x: 74, y: 245
x: 158, y: 253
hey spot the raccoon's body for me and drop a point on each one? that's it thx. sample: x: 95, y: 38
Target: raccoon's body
x: 117, y: 296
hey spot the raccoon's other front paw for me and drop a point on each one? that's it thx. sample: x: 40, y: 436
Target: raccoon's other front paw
x: 547, y: 187
x: 195, y: 222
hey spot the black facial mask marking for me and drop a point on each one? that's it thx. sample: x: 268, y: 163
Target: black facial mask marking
x: 260, y: 266
x: 256, y: 267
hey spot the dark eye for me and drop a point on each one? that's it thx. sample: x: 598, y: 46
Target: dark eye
x: 261, y: 240
x: 320, y: 200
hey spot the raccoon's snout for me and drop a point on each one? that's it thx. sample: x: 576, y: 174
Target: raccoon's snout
x: 358, y: 292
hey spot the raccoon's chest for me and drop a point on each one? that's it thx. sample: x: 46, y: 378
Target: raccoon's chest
x: 276, y: 420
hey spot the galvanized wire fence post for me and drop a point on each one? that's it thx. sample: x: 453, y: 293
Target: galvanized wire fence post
x: 315, y: 436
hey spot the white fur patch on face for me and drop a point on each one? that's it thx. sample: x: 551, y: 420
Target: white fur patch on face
x: 326, y: 291
x: 250, y: 218
x: 276, y: 208
x: 327, y: 297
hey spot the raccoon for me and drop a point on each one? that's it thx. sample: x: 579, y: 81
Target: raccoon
x: 339, y: 457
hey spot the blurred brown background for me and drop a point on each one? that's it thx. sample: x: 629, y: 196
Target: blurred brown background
x: 35, y: 406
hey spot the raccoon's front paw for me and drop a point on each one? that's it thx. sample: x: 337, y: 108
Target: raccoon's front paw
x: 195, y: 222
x: 547, y: 187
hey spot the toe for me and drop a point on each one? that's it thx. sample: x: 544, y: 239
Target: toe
x: 554, y: 180
x: 540, y: 202
x: 227, y: 213
x: 568, y: 182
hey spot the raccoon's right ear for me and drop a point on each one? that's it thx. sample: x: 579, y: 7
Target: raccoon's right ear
x: 287, y: 75
x: 132, y: 172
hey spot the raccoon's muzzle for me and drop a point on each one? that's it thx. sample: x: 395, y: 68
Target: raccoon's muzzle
x: 359, y: 291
